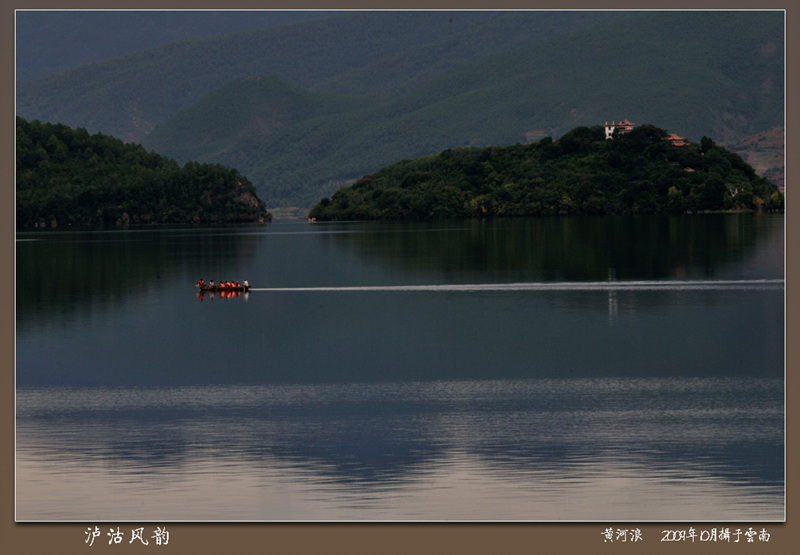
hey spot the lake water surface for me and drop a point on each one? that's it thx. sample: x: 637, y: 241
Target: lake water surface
x: 599, y: 369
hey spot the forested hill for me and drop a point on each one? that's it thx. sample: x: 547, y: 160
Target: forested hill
x: 642, y: 171
x: 305, y: 108
x: 66, y: 176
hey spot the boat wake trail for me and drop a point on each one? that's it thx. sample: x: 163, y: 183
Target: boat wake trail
x: 686, y: 285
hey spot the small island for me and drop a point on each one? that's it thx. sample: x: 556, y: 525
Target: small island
x: 68, y: 177
x: 611, y: 169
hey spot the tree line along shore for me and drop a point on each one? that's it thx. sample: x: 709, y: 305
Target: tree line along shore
x: 586, y: 172
x: 66, y: 176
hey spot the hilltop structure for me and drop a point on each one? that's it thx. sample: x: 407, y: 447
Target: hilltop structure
x: 639, y: 172
x: 676, y: 140
x: 624, y: 127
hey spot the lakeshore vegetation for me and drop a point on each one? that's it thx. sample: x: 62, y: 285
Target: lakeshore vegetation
x: 66, y: 176
x: 638, y: 172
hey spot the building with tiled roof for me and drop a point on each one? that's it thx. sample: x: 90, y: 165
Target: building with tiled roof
x: 676, y: 140
x: 623, y: 127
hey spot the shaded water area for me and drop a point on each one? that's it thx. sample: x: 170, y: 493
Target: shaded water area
x: 528, y: 369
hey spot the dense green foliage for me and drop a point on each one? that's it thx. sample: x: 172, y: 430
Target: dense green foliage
x: 581, y: 173
x: 66, y: 176
x: 422, y: 82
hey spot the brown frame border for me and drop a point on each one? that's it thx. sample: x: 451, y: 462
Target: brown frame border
x: 387, y: 538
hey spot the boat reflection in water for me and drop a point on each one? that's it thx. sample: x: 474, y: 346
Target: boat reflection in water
x: 203, y: 295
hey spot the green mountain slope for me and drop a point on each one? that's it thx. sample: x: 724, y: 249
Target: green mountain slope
x: 367, y: 53
x: 51, y: 41
x: 702, y: 73
x: 237, y: 120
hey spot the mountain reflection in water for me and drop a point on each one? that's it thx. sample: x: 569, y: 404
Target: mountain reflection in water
x: 355, y: 447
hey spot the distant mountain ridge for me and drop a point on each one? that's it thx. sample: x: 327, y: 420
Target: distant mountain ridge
x: 765, y: 152
x: 127, y: 96
x: 42, y: 34
x: 420, y: 82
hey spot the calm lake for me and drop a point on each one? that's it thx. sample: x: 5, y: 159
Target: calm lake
x: 579, y: 369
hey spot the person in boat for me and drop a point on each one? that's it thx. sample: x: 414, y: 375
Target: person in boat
x: 201, y: 283
x: 211, y: 283
x: 246, y: 285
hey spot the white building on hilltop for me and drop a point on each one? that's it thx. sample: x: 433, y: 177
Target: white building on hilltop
x: 624, y: 127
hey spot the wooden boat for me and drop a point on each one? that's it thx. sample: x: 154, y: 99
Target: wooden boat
x: 216, y: 288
